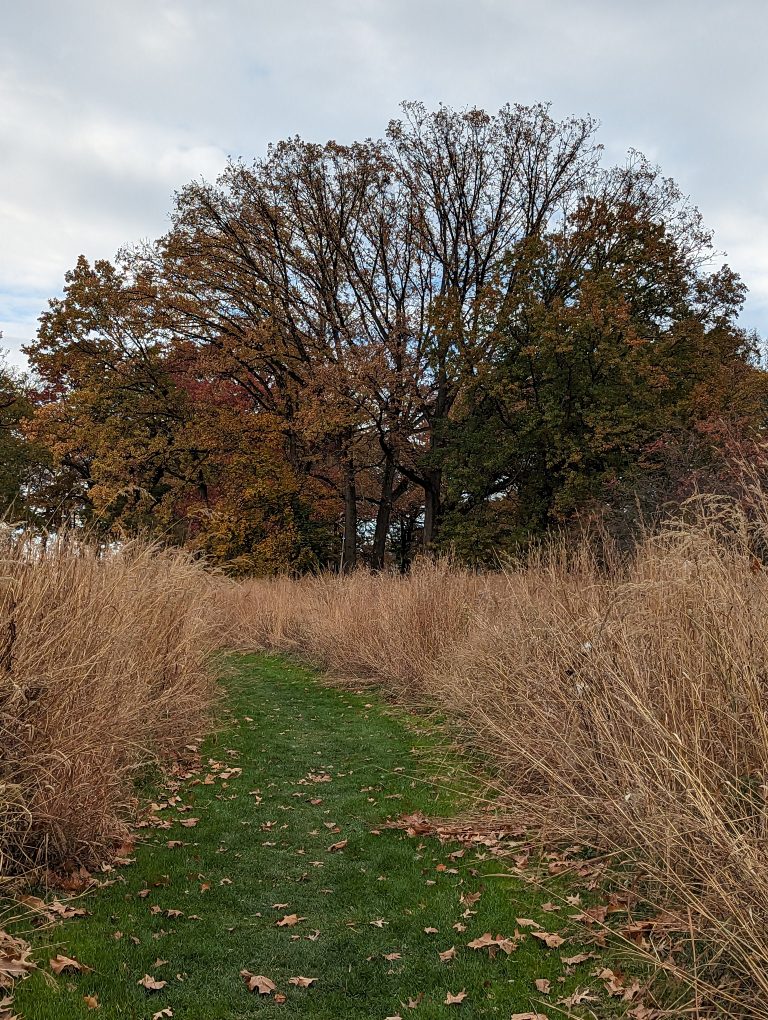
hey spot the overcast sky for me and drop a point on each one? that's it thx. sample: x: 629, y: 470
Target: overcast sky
x: 107, y: 106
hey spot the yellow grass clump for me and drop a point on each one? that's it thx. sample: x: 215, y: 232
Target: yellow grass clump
x: 102, y: 671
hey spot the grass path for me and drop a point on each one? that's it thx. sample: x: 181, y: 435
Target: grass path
x: 374, y: 915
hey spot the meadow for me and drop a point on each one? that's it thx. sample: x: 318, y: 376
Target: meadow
x: 616, y: 701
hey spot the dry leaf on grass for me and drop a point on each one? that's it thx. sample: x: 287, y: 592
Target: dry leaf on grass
x: 302, y: 982
x: 455, y: 1000
x: 14, y: 960
x: 493, y: 944
x: 289, y: 920
x: 551, y: 940
x: 257, y: 983
x: 61, y: 963
x: 577, y: 998
x: 570, y: 961
x: 151, y: 984
x: 449, y: 954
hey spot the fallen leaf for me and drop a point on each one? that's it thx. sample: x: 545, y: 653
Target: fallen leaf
x: 570, y: 961
x: 151, y: 984
x: 454, y: 1000
x: 289, y: 920
x: 338, y: 846
x: 257, y: 983
x: 301, y: 982
x: 449, y: 954
x: 61, y: 963
x: 552, y: 941
x: 542, y: 985
x: 577, y: 998
x: 91, y: 1001
x: 162, y: 1013
x: 14, y: 960
x: 492, y: 944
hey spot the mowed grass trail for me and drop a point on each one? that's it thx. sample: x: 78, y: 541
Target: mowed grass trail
x: 367, y: 921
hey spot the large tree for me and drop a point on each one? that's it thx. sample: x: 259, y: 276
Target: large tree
x: 464, y: 332
x: 352, y: 280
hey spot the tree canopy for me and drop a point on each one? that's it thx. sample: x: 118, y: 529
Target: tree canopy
x: 458, y: 336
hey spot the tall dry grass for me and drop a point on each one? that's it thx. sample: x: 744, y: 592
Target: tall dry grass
x: 624, y: 703
x: 102, y: 670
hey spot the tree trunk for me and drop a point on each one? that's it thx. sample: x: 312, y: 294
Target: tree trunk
x: 349, y: 541
x: 383, y: 516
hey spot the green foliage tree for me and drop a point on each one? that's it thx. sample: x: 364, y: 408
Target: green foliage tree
x: 612, y: 337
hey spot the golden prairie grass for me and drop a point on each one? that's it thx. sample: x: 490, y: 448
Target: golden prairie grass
x: 624, y: 703
x: 103, y: 670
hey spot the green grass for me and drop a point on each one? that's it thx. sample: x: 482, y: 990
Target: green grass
x: 284, y: 726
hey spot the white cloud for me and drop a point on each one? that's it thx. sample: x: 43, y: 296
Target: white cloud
x: 106, y: 107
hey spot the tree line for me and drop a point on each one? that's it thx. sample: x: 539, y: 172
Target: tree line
x: 456, y: 337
